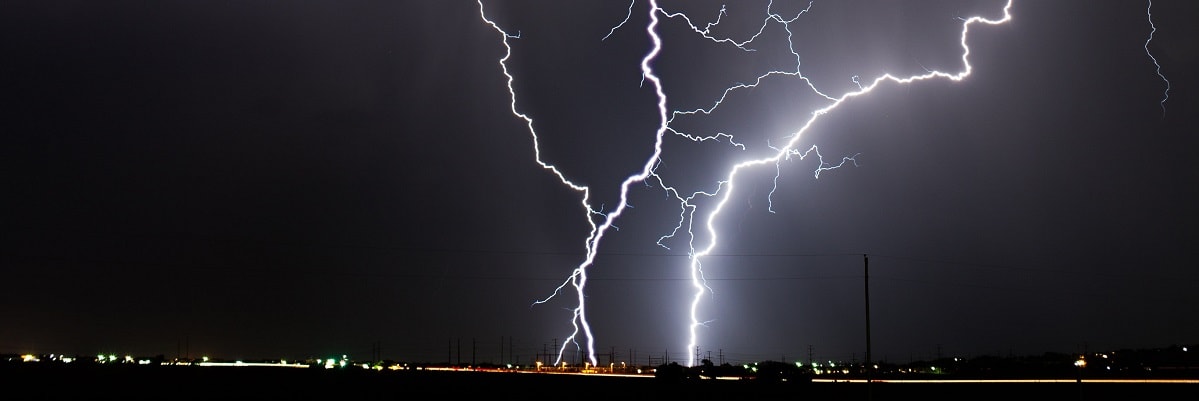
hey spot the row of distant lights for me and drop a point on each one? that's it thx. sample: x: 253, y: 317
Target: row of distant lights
x: 330, y: 363
x: 333, y: 363
x: 1081, y: 362
x: 99, y: 358
x: 53, y: 357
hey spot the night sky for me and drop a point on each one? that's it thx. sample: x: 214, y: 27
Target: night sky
x: 264, y: 179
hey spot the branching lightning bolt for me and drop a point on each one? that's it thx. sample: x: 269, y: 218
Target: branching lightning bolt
x: 727, y: 186
x: 578, y: 277
x: 1153, y: 29
x: 723, y: 189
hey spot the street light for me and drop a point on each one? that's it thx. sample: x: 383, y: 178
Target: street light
x: 1080, y: 363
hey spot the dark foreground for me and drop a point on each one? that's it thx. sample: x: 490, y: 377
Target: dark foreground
x: 201, y: 383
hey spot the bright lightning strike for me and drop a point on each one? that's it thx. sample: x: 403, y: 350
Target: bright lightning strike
x: 1152, y: 30
x: 724, y: 188
x: 789, y: 150
x: 578, y: 277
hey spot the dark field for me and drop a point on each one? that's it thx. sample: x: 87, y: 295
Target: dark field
x: 197, y: 383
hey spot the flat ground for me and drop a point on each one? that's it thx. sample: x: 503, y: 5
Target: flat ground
x: 196, y: 383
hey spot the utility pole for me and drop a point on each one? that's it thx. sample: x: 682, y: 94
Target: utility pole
x: 869, y: 362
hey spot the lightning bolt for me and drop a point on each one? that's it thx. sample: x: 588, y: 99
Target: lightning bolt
x: 1153, y: 29
x: 626, y: 19
x: 789, y: 150
x: 722, y: 190
x: 578, y: 277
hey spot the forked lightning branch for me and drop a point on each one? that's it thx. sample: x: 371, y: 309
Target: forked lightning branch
x: 693, y: 215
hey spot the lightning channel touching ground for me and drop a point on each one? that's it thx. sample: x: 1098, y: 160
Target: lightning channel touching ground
x: 578, y: 277
x: 788, y: 150
x: 722, y: 189
x: 1152, y: 30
